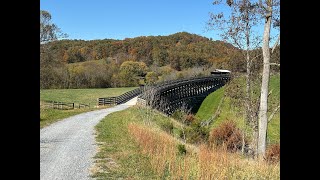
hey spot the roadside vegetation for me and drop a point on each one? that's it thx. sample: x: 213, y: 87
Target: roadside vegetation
x: 48, y: 115
x: 139, y: 143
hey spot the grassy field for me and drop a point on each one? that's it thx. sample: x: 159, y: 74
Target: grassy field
x: 85, y: 96
x: 210, y: 105
x: 133, y: 146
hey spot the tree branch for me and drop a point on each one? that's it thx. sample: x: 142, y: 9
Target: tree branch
x: 275, y: 44
x: 270, y: 92
x: 273, y: 113
x: 276, y: 64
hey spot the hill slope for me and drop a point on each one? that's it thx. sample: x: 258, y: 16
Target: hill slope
x: 228, y: 110
x: 181, y: 50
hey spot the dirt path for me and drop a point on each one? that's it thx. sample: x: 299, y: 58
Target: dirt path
x: 67, y: 147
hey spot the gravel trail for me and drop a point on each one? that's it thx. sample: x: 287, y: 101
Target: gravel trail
x: 67, y: 147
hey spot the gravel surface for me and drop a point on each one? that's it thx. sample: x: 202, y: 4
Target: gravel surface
x: 67, y: 147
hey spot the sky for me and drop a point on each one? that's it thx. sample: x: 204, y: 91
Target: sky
x: 119, y: 19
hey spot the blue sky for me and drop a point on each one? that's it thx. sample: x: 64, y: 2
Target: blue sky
x: 119, y: 19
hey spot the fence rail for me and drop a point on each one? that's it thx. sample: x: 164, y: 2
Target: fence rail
x: 63, y: 105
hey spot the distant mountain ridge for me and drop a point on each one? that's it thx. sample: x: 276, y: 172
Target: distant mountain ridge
x: 180, y: 50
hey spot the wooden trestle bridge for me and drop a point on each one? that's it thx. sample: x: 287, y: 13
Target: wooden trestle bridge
x: 173, y: 95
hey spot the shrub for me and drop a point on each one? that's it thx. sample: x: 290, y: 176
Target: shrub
x: 273, y: 153
x: 196, y: 133
x: 182, y: 149
x: 167, y: 126
x: 178, y: 115
x: 228, y: 135
x: 189, y: 118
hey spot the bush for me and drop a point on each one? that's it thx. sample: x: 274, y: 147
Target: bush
x: 273, y: 153
x: 228, y: 135
x: 178, y: 115
x: 189, y: 118
x: 196, y: 133
x: 167, y: 126
x: 182, y: 149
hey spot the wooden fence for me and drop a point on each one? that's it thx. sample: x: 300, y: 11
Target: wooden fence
x: 63, y: 105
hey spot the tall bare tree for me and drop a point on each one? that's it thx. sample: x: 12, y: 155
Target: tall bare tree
x: 51, y: 71
x: 48, y: 30
x: 268, y: 7
x: 240, y: 28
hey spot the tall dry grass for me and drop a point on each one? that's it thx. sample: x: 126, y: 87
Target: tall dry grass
x: 218, y: 163
x: 207, y: 163
x: 162, y: 150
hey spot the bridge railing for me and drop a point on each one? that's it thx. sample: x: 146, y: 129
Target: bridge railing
x: 123, y: 98
x: 192, y: 79
x: 181, y: 81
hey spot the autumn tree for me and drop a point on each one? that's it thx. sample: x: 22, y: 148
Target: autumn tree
x: 52, y: 73
x: 131, y: 72
x: 151, y: 77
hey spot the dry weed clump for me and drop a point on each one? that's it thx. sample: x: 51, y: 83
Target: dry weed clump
x: 273, y: 153
x: 227, y: 134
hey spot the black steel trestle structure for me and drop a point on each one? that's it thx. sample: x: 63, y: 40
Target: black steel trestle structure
x: 185, y: 94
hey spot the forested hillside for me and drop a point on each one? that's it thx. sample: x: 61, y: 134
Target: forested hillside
x: 132, y: 61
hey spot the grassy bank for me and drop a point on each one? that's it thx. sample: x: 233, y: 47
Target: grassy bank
x: 229, y: 110
x: 134, y: 145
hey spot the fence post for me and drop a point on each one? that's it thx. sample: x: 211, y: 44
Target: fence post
x: 72, y: 105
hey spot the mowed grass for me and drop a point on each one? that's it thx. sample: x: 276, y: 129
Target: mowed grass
x: 119, y: 156
x: 132, y: 146
x: 84, y: 96
x: 49, y: 116
x: 210, y: 105
x: 228, y: 111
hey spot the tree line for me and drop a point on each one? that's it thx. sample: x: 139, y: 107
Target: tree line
x: 100, y: 63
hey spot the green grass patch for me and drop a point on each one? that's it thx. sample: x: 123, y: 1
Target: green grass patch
x: 84, y: 96
x: 98, y: 62
x: 274, y: 130
x: 274, y: 100
x: 210, y: 104
x: 119, y: 156
x: 49, y: 116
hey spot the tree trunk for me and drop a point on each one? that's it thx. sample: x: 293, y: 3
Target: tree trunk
x: 263, y: 118
x: 248, y: 98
